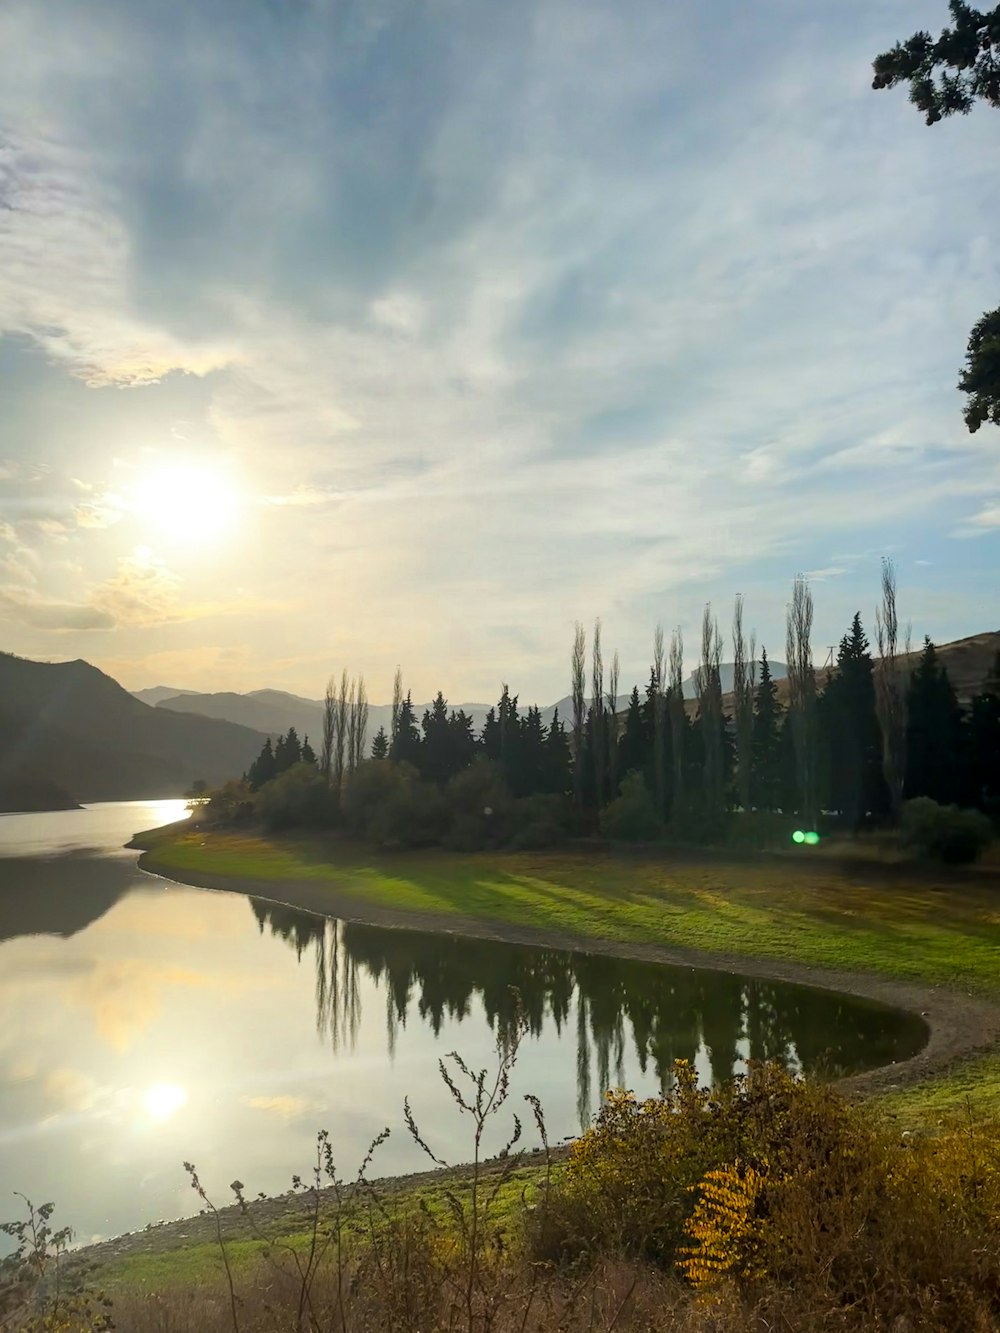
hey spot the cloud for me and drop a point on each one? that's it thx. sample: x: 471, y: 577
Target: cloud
x: 302, y: 496
x: 142, y: 592
x: 38, y: 612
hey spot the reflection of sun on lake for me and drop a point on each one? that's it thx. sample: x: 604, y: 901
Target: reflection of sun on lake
x: 163, y: 1099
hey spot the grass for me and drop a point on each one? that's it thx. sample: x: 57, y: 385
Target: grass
x: 933, y: 927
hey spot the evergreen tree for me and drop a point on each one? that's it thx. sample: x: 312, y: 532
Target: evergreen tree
x: 263, y: 768
x: 461, y: 741
x: 529, y: 774
x: 380, y: 745
x: 308, y: 753
x: 850, y: 731
x: 933, y: 733
x: 405, y: 747
x: 558, y: 759
x: 984, y: 744
x: 767, y: 748
x: 634, y: 746
x: 435, y: 752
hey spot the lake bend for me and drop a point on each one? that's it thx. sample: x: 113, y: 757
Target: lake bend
x: 144, y: 1024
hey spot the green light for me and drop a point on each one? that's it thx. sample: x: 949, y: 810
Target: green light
x: 812, y: 839
x: 798, y: 836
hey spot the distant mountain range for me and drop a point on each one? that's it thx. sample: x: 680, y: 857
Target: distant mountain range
x: 70, y: 726
x: 274, y: 711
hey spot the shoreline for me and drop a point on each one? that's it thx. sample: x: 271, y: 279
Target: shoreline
x: 960, y: 1024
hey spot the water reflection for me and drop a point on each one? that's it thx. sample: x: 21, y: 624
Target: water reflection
x: 615, y: 1008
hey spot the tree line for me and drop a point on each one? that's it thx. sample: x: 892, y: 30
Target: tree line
x: 879, y: 732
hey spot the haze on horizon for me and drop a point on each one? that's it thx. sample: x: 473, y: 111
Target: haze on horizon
x: 347, y: 334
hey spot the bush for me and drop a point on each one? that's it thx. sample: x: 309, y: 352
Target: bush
x: 630, y: 1183
x: 481, y: 806
x: 298, y: 798
x: 632, y: 816
x: 944, y: 832
x: 542, y: 820
x: 232, y: 803
x: 414, y: 814
x: 367, y: 789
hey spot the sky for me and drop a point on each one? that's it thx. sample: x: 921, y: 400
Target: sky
x: 363, y: 332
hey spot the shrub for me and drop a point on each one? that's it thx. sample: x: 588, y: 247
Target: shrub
x: 232, y: 803
x: 541, y: 820
x: 632, y: 817
x: 413, y: 814
x: 631, y: 1183
x: 299, y: 797
x: 367, y: 789
x: 944, y: 832
x: 481, y: 806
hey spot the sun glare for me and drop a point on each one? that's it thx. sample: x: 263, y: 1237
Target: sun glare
x: 163, y: 1099
x: 189, y: 503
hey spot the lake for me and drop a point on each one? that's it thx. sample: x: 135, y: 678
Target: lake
x: 143, y: 1024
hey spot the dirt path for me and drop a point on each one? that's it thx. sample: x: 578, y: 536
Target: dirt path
x: 960, y: 1024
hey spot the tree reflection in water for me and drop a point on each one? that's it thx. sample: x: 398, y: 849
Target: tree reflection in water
x: 715, y: 1019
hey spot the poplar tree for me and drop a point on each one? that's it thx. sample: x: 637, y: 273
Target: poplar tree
x: 678, y: 719
x: 659, y: 725
x: 708, y: 683
x: 744, y: 680
x: 890, y: 697
x: 802, y: 696
x: 598, y: 737
x: 578, y: 667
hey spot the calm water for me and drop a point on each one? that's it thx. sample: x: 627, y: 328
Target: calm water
x: 142, y: 1024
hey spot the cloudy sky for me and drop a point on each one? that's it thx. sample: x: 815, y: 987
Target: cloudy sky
x: 374, y: 331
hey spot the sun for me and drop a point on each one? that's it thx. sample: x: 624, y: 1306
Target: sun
x: 191, y: 503
x: 163, y: 1099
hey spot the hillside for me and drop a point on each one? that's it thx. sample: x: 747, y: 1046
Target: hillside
x: 70, y: 725
x: 274, y: 711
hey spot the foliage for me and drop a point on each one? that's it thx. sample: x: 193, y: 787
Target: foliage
x: 981, y: 374
x: 967, y: 55
x: 233, y: 802
x: 632, y: 1180
x: 632, y: 816
x: 37, y: 1294
x: 944, y: 832
x: 968, y: 58
x: 300, y: 797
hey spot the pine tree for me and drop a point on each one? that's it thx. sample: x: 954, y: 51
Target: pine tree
x: 850, y: 731
x: 435, y: 752
x: 558, y: 760
x: 633, y: 749
x: 308, y: 753
x: 984, y: 744
x: 933, y: 733
x: 380, y: 745
x: 405, y: 748
x: 263, y: 768
x: 766, y: 776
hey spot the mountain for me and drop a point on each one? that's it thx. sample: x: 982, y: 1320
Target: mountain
x: 71, y: 725
x: 274, y: 711
x: 156, y: 693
